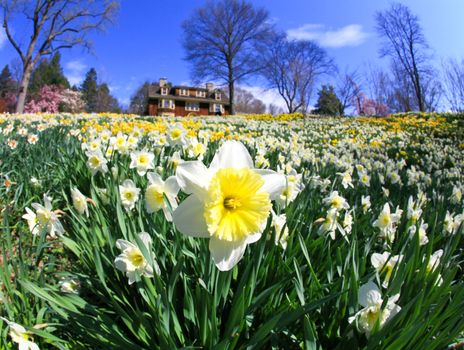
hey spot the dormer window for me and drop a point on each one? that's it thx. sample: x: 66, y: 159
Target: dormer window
x: 183, y: 92
x: 164, y: 91
x: 201, y: 93
x: 166, y: 104
x: 218, y: 96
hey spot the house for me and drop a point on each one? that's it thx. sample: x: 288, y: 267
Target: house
x: 167, y: 100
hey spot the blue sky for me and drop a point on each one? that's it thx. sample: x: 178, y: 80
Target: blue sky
x: 145, y: 42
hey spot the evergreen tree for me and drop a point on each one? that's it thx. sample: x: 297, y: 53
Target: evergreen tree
x: 328, y: 103
x: 89, y: 89
x: 106, y: 102
x: 7, y: 83
x: 48, y: 73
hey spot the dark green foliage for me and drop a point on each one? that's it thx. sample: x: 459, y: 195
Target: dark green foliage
x: 48, y: 72
x: 139, y: 100
x: 328, y: 103
x: 7, y: 83
x: 89, y: 90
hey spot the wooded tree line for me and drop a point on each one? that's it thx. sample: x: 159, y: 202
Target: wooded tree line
x: 50, y: 91
x: 233, y: 42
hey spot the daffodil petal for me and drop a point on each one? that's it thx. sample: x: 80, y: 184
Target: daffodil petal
x: 154, y: 179
x: 369, y: 294
x: 171, y: 185
x: 232, y: 154
x: 189, y: 219
x: 274, y: 183
x: 193, y: 177
x: 122, y: 244
x: 226, y: 254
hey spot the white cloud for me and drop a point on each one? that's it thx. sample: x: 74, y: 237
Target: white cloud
x: 350, y: 35
x: 268, y: 96
x: 2, y: 37
x: 75, y: 71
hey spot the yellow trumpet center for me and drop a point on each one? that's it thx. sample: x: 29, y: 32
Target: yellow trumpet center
x: 236, y: 207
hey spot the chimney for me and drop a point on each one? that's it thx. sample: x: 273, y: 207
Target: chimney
x: 163, y: 82
x: 210, y: 86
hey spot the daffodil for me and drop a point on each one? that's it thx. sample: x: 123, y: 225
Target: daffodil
x: 279, y: 222
x: 45, y: 218
x: 157, y: 190
x: 129, y: 194
x: 387, y: 221
x: 132, y: 262
x: 372, y: 313
x: 96, y: 162
x: 385, y: 263
x: 79, y: 202
x: 336, y: 201
x: 32, y: 222
x: 229, y: 203
x: 21, y: 336
x: 142, y: 161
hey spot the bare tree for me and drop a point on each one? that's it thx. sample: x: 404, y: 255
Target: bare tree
x: 223, y: 39
x: 453, y: 77
x: 246, y: 102
x: 406, y: 45
x: 348, y: 87
x: 49, y: 26
x: 293, y: 67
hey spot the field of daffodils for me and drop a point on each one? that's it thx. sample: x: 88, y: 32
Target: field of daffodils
x: 254, y: 232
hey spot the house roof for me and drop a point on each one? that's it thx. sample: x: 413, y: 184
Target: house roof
x: 153, y: 93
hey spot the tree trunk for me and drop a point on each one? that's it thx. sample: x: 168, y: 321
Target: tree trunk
x: 231, y: 97
x: 23, y: 88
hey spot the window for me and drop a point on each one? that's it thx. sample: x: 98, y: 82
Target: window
x: 218, y: 95
x: 201, y: 93
x: 164, y: 91
x: 192, y: 106
x: 166, y: 104
x: 183, y: 92
x: 216, y: 108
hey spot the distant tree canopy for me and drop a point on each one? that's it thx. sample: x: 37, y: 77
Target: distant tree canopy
x: 247, y: 103
x: 97, y: 97
x: 293, y: 68
x: 48, y: 72
x: 328, y: 103
x: 139, y: 100
x: 223, y: 41
x: 7, y: 83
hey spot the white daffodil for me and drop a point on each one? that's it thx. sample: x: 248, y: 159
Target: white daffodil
x: 229, y: 203
x: 195, y: 149
x: 176, y: 134
x: 142, y: 161
x: 96, y: 162
x: 371, y: 299
x: 132, y: 261
x: 21, y: 336
x: 69, y: 285
x: 156, y: 190
x: 385, y: 263
x: 365, y: 203
x: 32, y: 222
x: 433, y: 263
x: 129, y: 194
x: 456, y: 195
x: 336, y: 201
x: 80, y: 202
x: 292, y: 188
x: 329, y: 223
x: 175, y: 160
x: 386, y: 222
x: 279, y: 222
x: 47, y: 218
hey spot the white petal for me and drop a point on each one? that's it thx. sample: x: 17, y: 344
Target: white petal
x: 145, y: 238
x: 378, y: 260
x: 226, y: 254
x: 274, y: 183
x: 253, y: 238
x: 123, y: 244
x: 171, y: 186
x: 189, y: 219
x: 232, y: 154
x: 155, y: 179
x: 120, y: 264
x: 193, y: 177
x: 369, y: 294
